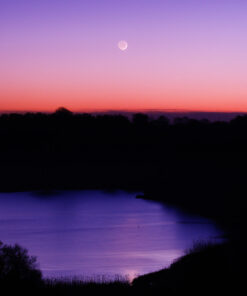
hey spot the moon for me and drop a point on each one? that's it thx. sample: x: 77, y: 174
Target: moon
x: 123, y: 45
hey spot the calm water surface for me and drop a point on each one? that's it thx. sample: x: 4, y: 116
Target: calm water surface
x: 88, y: 233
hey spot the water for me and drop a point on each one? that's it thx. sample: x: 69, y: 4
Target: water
x: 90, y: 233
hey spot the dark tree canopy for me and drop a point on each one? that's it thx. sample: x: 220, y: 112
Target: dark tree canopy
x: 17, y: 267
x: 63, y: 111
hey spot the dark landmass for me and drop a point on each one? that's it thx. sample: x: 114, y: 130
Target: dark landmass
x: 173, y: 114
x: 170, y: 114
x: 197, y: 165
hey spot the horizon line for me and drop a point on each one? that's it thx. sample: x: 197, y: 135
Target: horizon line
x: 143, y: 110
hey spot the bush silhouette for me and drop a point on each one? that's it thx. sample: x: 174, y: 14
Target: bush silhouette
x: 17, y: 268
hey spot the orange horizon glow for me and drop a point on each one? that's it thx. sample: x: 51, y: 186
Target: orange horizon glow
x: 134, y: 110
x: 142, y: 103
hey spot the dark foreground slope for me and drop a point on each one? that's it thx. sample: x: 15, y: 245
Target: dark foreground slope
x: 205, y: 270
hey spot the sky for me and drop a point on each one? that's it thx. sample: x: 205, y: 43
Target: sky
x: 182, y: 55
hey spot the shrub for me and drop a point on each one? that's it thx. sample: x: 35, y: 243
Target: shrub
x: 17, y: 267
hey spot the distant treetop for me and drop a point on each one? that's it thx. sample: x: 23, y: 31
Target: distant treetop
x: 63, y: 111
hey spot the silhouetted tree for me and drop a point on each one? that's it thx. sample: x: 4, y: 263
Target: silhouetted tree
x: 17, y: 267
x: 140, y: 119
x: 61, y: 111
x: 162, y: 121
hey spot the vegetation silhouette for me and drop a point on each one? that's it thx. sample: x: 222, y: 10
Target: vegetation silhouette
x: 18, y: 269
x: 205, y: 270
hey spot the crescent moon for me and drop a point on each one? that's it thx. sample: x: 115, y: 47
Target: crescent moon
x: 123, y: 45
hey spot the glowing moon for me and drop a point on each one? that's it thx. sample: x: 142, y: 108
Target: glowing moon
x: 123, y: 45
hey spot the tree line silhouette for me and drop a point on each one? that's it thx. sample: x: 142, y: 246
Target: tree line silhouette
x: 194, y: 163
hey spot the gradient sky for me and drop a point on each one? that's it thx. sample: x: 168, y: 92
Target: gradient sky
x: 182, y: 54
